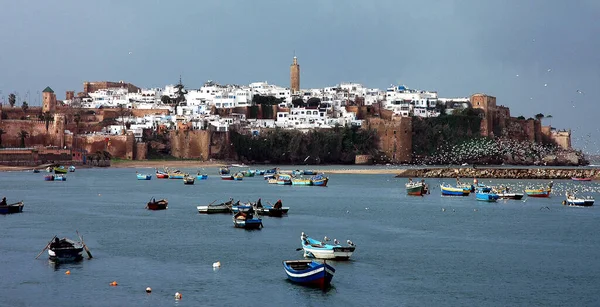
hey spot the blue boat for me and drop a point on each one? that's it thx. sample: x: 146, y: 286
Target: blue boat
x: 309, y: 272
x: 448, y: 190
x: 143, y: 176
x: 60, y: 178
x: 483, y: 188
x: 487, y: 196
x: 201, y: 176
x: 241, y: 208
x: 224, y: 170
x: 319, y: 180
x: 247, y: 220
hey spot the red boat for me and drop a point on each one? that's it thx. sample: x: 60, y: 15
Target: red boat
x: 581, y: 179
x: 226, y: 177
x: 160, y: 204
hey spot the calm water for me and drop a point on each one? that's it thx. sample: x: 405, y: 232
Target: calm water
x: 409, y: 251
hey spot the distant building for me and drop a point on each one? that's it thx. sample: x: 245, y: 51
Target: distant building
x: 48, y: 100
x: 488, y: 105
x: 295, y: 76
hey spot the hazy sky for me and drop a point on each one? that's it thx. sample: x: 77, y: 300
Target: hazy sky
x: 533, y: 55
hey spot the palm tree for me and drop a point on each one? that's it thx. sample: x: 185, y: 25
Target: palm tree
x: 12, y: 99
x: 23, y: 135
x: 539, y: 116
x: 550, y: 117
x: 1, y: 133
x: 25, y: 106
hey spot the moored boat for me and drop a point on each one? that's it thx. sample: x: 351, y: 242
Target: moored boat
x: 319, y: 180
x: 60, y: 170
x: 416, y: 188
x: 238, y: 176
x: 284, y: 179
x: 248, y: 173
x: 226, y: 177
x: 176, y: 175
x: 72, y: 168
x: 309, y: 272
x: 247, y: 220
x: 188, y: 179
x: 276, y: 210
x: 160, y: 204
x: 486, y: 196
x: 309, y: 172
x: 581, y: 178
x: 317, y: 249
x: 60, y: 178
x: 201, y: 176
x: 507, y: 195
x: 143, y: 176
x: 572, y: 200
x: 219, y: 208
x: 541, y: 192
x: 301, y: 181
x: 161, y: 174
x: 224, y: 170
x: 49, y: 178
x: 65, y: 250
x: 448, y: 190
x: 12, y: 208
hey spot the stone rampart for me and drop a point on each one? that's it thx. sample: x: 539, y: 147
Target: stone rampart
x: 190, y: 144
x: 501, y: 173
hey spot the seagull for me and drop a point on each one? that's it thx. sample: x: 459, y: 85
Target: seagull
x: 349, y: 242
x: 130, y: 52
x: 326, y: 239
x: 336, y: 242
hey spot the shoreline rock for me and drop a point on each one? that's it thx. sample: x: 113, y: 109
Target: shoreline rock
x: 500, y: 173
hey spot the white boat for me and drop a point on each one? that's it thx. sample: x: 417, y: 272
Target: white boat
x: 321, y: 250
x: 572, y: 200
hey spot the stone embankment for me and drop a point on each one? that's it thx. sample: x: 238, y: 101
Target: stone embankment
x: 506, y: 173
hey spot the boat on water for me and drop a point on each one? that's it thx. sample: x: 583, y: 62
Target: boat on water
x: 259, y: 172
x: 226, y: 177
x: 59, y: 178
x: 201, y: 176
x: 416, y: 188
x: 11, y: 208
x: 482, y: 188
x: 309, y: 172
x: 161, y: 174
x: 219, y: 208
x: 72, y: 168
x: 506, y: 195
x: 276, y: 210
x: 247, y: 220
x: 284, y: 179
x: 238, y: 176
x: 541, y: 192
x: 143, y: 176
x: 35, y: 170
x: 249, y: 173
x: 49, y: 178
x: 448, y: 190
x: 581, y: 178
x: 188, y: 179
x: 297, y: 172
x: 160, y: 204
x: 573, y: 200
x: 49, y: 169
x: 224, y: 170
x: 60, y: 170
x: 65, y: 249
x: 321, y: 250
x: 301, y: 181
x: 309, y: 272
x: 486, y: 196
x: 176, y: 175
x: 319, y: 180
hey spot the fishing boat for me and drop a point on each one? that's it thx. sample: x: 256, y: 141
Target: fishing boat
x: 317, y: 249
x: 486, y: 196
x: 541, y: 192
x: 65, y: 250
x: 187, y: 179
x: 240, y: 207
x: 482, y: 188
x: 220, y: 208
x: 276, y: 210
x: 176, y: 175
x: 60, y: 170
x: 49, y: 178
x: 319, y: 180
x: 238, y: 176
x: 572, y: 200
x: 581, y: 178
x: 72, y: 168
x: 226, y: 177
x: 284, y: 179
x: 259, y: 172
x: 12, y: 208
x: 143, y: 176
x: 448, y: 190
x: 201, y: 176
x: 35, y: 170
x: 49, y: 169
x: 160, y: 204
x: 269, y: 176
x: 247, y: 220
x: 309, y: 272
x: 416, y: 188
x: 60, y: 178
x: 506, y: 195
x: 224, y: 170
x: 309, y: 172
x: 301, y: 181
x: 248, y: 173
x: 161, y: 174
x: 297, y: 172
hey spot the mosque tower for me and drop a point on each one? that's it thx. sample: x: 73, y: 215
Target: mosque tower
x: 48, y: 100
x: 295, y: 76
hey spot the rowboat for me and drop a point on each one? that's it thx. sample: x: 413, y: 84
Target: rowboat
x: 448, y: 190
x: 64, y: 250
x: 309, y: 272
x: 486, y: 196
x: 581, y: 178
x: 238, y: 176
x: 572, y: 200
x: 247, y: 220
x: 541, y: 192
x: 160, y: 204
x: 12, y: 208
x: 226, y: 177
x: 284, y: 179
x: 201, y: 176
x: 317, y: 249
x: 224, y: 170
x: 49, y: 178
x: 60, y: 178
x: 220, y: 208
x: 249, y: 173
x: 276, y: 210
x: 176, y: 175
x: 506, y: 195
x: 161, y: 175
x: 319, y: 180
x: 416, y: 188
x: 60, y: 170
x: 143, y: 176
x: 187, y: 179
x: 301, y: 181
x: 483, y: 188
x: 309, y: 172
x: 72, y: 168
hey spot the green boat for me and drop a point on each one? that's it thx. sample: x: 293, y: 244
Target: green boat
x: 249, y: 173
x: 60, y: 170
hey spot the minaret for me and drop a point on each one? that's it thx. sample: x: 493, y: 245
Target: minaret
x: 48, y: 100
x: 295, y: 76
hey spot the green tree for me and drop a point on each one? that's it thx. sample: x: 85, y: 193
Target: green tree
x: 539, y: 116
x: 23, y: 135
x: 12, y: 99
x: 298, y: 102
x: 313, y: 102
x: 165, y: 99
x: 25, y: 106
x: 122, y: 113
x: 1, y: 133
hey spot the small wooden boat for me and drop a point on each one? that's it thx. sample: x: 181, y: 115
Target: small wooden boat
x: 506, y: 195
x: 49, y: 169
x: 486, y: 196
x: 143, y: 176
x: 319, y: 180
x: 160, y: 204
x: 12, y: 208
x: 272, y: 181
x: 297, y: 172
x: 482, y: 188
x: 572, y: 200
x: 581, y: 178
x: 259, y: 172
x: 220, y: 208
x: 309, y: 172
x: 249, y: 173
x: 224, y: 170
x: 309, y: 272
x: 176, y: 175
x: 238, y: 176
x: 317, y: 249
x: 60, y: 178
x: 49, y: 178
x: 201, y: 176
x: 60, y: 170
x: 226, y: 177
x: 247, y: 220
x: 35, y: 170
x: 448, y: 190
x: 276, y: 210
x: 301, y: 181
x: 269, y: 176
x: 188, y: 179
x: 161, y: 175
x: 72, y: 168
x: 541, y: 192
x: 416, y: 188
x: 65, y: 250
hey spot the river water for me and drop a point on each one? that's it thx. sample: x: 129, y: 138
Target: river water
x: 411, y: 251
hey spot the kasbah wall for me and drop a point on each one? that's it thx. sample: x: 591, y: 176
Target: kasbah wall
x: 120, y: 146
x: 190, y: 144
x: 395, y: 137
x: 36, y: 129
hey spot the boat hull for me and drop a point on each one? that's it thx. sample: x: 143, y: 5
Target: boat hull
x: 247, y: 224
x: 488, y: 197
x: 581, y: 179
x: 316, y: 249
x: 144, y: 177
x: 415, y: 190
x: 320, y: 182
x: 579, y: 202
x: 158, y: 205
x: 226, y: 177
x: 452, y: 191
x: 515, y: 196
x: 12, y: 208
x: 301, y: 182
x: 162, y: 176
x: 65, y: 254
x: 202, y: 177
x: 309, y: 273
x: 538, y: 193
x: 58, y: 170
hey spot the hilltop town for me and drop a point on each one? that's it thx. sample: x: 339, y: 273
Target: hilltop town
x: 121, y: 120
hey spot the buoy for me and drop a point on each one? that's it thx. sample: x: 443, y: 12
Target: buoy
x: 148, y: 290
x: 177, y: 295
x: 68, y: 272
x: 217, y: 264
x: 113, y: 284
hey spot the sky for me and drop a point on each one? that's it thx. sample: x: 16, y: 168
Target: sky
x: 535, y: 56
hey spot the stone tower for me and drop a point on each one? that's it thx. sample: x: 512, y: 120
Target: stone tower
x: 49, y: 100
x: 59, y: 130
x: 295, y: 76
